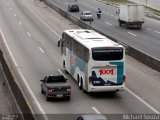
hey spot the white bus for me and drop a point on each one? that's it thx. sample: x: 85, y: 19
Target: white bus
x: 96, y: 62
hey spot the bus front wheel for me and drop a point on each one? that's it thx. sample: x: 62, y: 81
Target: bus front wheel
x: 79, y: 84
x: 64, y: 67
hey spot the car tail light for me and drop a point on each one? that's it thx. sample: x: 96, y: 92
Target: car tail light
x: 90, y: 80
x: 124, y: 78
x: 50, y: 90
x: 68, y: 90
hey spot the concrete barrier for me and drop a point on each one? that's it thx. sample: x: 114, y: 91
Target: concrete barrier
x: 135, y: 53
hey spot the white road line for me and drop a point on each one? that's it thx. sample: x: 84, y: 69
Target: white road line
x: 91, y: 7
x: 96, y: 110
x: 149, y: 29
x: 14, y: 15
x: 10, y: 8
x: 41, y: 49
x: 108, y: 23
x: 20, y: 23
x: 157, y: 32
x: 112, y: 15
x: 66, y: 3
x: 43, y: 21
x: 29, y: 34
x: 23, y: 78
x: 131, y: 34
x: 107, y: 13
x: 144, y: 102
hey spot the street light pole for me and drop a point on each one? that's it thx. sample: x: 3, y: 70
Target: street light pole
x: 146, y: 2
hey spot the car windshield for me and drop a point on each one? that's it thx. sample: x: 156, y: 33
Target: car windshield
x: 53, y: 79
x: 74, y: 5
x: 88, y: 13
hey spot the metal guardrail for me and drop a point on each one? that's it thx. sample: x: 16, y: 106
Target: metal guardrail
x: 133, y: 52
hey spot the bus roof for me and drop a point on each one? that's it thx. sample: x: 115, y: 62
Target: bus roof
x: 91, y: 39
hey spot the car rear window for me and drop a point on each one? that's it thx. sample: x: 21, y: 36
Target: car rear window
x: 53, y: 79
x: 74, y: 5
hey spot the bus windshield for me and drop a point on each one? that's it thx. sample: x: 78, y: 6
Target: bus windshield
x: 107, y: 53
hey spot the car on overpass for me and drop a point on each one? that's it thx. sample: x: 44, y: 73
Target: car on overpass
x: 86, y: 16
x: 73, y: 7
x: 92, y: 117
x: 55, y: 86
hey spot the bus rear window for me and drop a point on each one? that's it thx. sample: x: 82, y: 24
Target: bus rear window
x: 110, y: 53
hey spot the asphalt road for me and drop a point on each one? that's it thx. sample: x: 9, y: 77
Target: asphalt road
x: 146, y: 40
x: 32, y: 31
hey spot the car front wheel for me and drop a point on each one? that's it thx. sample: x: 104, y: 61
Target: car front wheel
x: 68, y: 98
x: 42, y: 91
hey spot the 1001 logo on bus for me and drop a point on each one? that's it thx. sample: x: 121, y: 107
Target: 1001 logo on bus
x: 104, y: 71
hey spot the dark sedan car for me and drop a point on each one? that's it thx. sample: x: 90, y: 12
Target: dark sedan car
x: 92, y: 117
x: 55, y: 86
x: 73, y: 7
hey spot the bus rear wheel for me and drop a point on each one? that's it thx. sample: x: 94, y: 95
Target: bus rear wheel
x: 79, y: 84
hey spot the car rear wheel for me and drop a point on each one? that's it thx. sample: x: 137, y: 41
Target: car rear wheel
x: 47, y: 98
x: 68, y: 98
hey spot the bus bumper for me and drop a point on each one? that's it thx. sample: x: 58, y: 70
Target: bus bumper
x: 106, y: 88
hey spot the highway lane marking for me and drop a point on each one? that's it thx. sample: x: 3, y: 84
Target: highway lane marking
x: 112, y: 15
x: 91, y: 7
x: 43, y: 21
x: 106, y: 13
x: 108, y: 23
x: 149, y: 29
x: 20, y: 23
x: 29, y: 34
x: 41, y: 49
x: 14, y: 15
x: 66, y: 3
x: 96, y: 110
x: 23, y: 78
x: 10, y: 8
x: 157, y: 32
x: 132, y: 34
x: 144, y: 102
x: 8, y: 3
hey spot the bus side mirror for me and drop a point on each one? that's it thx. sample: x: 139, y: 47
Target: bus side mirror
x: 59, y: 42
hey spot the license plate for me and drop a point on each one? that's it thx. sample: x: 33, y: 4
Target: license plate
x: 59, y: 95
